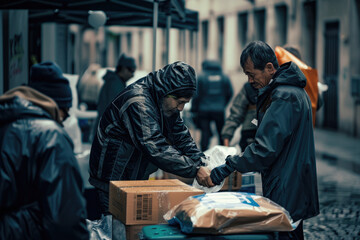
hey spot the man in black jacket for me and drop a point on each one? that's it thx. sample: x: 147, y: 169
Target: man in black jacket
x: 41, y: 187
x: 283, y: 150
x: 214, y: 92
x: 141, y: 131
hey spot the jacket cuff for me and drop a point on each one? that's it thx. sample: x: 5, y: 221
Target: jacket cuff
x: 231, y: 161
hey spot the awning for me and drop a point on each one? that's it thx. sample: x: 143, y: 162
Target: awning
x: 140, y: 13
x: 137, y: 13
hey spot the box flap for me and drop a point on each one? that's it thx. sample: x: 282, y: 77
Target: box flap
x: 146, y: 183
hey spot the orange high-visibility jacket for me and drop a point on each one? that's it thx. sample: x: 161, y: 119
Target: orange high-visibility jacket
x: 311, y: 75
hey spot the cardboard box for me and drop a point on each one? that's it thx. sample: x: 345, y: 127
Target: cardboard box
x: 145, y: 202
x: 232, y: 182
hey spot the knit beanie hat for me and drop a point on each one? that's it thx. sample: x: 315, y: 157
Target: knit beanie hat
x: 126, y: 61
x: 47, y: 78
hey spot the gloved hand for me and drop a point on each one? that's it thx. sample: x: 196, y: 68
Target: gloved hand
x: 219, y: 173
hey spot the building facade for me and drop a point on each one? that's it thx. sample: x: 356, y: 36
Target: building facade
x: 327, y: 33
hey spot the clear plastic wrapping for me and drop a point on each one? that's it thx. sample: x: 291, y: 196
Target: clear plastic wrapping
x: 215, y: 156
x: 229, y: 213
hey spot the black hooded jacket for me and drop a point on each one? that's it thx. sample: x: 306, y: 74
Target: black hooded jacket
x: 41, y: 187
x: 134, y: 138
x: 284, y: 150
x: 214, y: 89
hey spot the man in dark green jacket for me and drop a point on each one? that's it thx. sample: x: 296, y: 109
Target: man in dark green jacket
x: 283, y: 150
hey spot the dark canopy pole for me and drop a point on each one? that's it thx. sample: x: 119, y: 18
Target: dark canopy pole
x: 196, y: 49
x: 168, y: 26
x: 155, y: 24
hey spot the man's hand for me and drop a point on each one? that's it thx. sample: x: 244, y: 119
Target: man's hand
x: 203, y: 177
x: 226, y: 142
x: 219, y: 173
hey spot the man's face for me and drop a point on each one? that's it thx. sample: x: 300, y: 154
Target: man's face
x: 172, y: 105
x: 126, y: 73
x: 258, y: 78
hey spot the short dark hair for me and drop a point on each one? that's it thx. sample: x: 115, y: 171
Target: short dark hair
x: 260, y: 53
x: 294, y: 51
x: 183, y: 93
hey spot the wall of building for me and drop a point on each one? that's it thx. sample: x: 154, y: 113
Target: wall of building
x: 355, y: 62
x: 299, y: 23
x: 330, y: 11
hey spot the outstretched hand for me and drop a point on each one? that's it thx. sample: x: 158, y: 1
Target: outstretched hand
x: 203, y: 177
x: 219, y: 173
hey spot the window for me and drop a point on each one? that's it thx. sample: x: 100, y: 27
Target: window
x: 242, y: 29
x: 129, y: 42
x: 205, y: 31
x: 260, y: 25
x: 281, y: 23
x: 220, y: 22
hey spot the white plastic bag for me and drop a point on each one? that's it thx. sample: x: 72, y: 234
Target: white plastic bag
x: 215, y: 156
x: 106, y: 228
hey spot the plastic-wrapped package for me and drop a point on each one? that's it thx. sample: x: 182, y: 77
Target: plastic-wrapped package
x: 106, y: 228
x: 215, y: 156
x: 229, y: 213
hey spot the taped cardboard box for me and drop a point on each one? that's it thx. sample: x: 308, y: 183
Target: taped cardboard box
x: 232, y: 182
x: 145, y: 202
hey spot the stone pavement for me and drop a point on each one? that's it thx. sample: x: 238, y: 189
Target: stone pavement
x: 338, y: 148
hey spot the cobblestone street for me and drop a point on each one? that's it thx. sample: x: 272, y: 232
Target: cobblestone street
x: 339, y: 196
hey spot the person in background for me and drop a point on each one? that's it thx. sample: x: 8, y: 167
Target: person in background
x: 114, y: 83
x: 41, y: 186
x: 283, y: 151
x: 242, y: 111
x: 89, y: 87
x: 141, y: 131
x: 295, y: 51
x: 209, y: 104
x: 289, y: 53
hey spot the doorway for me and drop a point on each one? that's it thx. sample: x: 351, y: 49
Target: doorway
x: 331, y: 74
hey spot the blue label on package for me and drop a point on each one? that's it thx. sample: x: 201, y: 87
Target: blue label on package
x: 227, y: 200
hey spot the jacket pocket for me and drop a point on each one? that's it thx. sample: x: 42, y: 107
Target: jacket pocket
x: 271, y: 186
x: 121, y: 160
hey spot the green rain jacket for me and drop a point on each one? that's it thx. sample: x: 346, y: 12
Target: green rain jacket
x: 284, y: 150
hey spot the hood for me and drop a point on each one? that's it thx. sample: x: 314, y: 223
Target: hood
x: 288, y: 74
x: 23, y: 100
x: 211, y: 66
x: 171, y: 78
